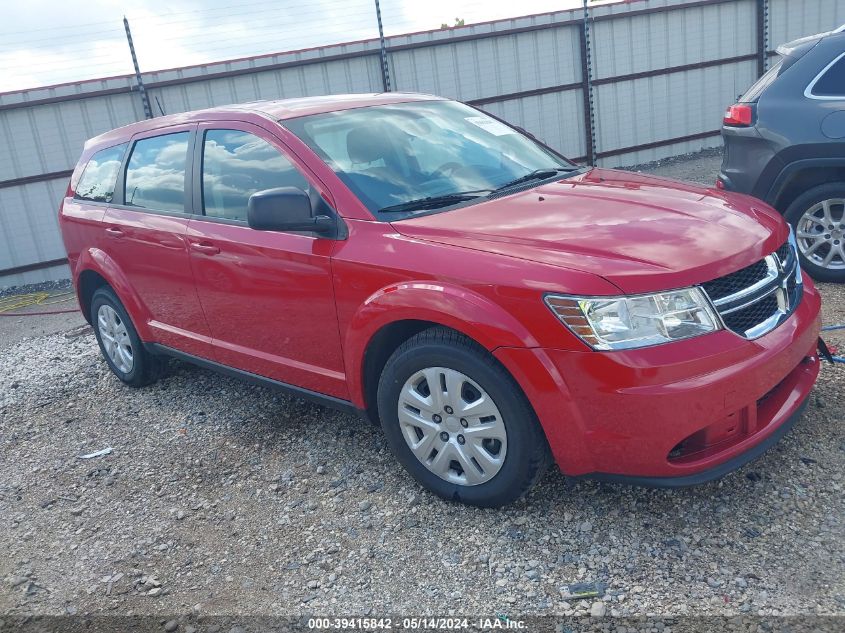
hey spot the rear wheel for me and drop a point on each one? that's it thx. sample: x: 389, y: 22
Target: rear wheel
x: 818, y: 217
x: 458, y: 422
x: 119, y: 342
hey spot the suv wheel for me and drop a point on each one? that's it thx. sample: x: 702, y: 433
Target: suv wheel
x: 458, y: 422
x: 818, y: 217
x: 119, y: 341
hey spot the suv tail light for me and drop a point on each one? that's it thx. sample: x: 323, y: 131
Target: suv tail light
x: 739, y: 115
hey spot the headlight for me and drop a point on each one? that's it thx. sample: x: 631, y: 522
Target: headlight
x: 609, y: 323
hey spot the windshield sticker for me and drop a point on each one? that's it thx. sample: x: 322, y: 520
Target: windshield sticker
x: 490, y: 125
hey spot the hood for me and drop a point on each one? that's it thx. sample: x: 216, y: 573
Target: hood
x: 641, y: 233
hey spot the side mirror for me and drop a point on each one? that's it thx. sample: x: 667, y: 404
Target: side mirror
x: 285, y: 209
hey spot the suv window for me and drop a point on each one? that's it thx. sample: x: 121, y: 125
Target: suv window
x: 235, y: 165
x: 832, y: 82
x: 100, y: 175
x: 155, y: 175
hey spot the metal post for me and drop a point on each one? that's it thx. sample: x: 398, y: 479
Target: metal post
x: 587, y: 89
x: 145, y: 101
x: 762, y: 36
x: 385, y: 73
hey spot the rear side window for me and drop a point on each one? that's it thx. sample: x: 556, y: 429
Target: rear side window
x: 155, y: 174
x: 235, y: 165
x: 832, y: 82
x: 100, y: 175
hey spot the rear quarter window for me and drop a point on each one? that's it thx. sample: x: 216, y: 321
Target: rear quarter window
x: 831, y: 83
x: 98, y: 179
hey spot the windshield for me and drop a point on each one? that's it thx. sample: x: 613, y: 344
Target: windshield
x: 391, y: 156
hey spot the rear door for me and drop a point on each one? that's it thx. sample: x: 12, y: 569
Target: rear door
x: 268, y: 296
x: 145, y: 234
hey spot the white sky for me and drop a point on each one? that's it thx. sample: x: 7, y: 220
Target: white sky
x: 45, y: 42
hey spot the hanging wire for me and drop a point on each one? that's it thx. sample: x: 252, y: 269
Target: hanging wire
x: 88, y: 50
x: 174, y: 39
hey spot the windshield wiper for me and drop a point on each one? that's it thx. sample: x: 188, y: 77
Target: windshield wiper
x: 537, y: 174
x: 432, y: 202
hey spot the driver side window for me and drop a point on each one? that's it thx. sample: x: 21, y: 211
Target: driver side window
x: 236, y: 164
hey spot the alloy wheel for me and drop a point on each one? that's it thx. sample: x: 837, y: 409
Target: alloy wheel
x: 821, y: 234
x: 115, y: 338
x: 452, y: 426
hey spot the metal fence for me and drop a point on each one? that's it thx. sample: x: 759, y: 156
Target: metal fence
x: 622, y: 84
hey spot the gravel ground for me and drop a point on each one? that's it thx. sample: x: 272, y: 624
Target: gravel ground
x: 700, y: 167
x: 223, y: 498
x: 46, y: 286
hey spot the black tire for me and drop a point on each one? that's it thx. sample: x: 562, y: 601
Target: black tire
x: 527, y: 451
x: 795, y: 212
x: 146, y: 367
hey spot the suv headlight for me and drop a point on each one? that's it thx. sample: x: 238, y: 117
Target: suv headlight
x: 610, y: 323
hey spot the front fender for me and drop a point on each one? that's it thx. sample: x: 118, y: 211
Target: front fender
x: 452, y: 306
x: 98, y: 261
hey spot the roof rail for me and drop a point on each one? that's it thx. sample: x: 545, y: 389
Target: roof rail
x: 789, y: 47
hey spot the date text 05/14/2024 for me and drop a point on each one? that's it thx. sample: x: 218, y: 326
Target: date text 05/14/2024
x: 415, y: 623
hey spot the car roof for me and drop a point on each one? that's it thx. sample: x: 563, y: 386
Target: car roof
x: 277, y: 110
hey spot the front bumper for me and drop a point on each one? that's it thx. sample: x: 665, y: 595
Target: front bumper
x: 688, y: 411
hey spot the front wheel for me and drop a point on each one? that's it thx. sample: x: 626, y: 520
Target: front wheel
x: 458, y: 422
x: 818, y: 217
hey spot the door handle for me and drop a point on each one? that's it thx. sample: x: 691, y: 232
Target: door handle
x: 205, y: 248
x: 114, y: 232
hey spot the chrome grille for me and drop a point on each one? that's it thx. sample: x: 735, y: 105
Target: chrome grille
x: 736, y: 282
x: 755, y: 300
x: 745, y: 319
x: 784, y: 251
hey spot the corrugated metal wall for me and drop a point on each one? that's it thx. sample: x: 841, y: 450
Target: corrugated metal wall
x: 485, y: 69
x: 790, y: 19
x: 687, y: 102
x: 662, y: 72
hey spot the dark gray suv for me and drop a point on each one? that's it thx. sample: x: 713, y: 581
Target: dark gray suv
x: 785, y: 144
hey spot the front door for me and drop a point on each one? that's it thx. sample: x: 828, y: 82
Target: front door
x: 268, y: 296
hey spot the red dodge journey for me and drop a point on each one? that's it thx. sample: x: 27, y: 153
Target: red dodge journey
x: 493, y: 305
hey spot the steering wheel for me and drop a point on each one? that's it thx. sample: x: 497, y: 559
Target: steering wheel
x: 446, y: 169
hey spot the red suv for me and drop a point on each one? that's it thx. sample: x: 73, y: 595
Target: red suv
x: 491, y: 303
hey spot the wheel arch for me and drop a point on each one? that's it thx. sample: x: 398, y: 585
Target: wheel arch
x: 802, y: 175
x: 392, y: 315
x: 87, y: 284
x: 95, y: 269
x: 379, y: 348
